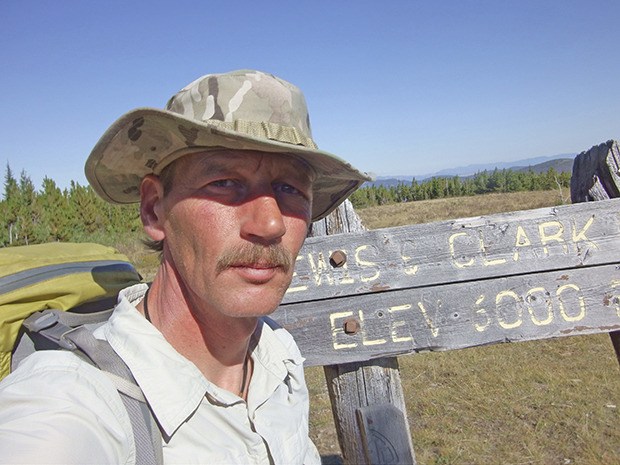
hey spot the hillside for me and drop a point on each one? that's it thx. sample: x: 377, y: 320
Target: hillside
x: 563, y: 164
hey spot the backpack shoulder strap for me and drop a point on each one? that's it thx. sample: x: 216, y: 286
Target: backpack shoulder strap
x: 146, y: 432
x: 147, y: 435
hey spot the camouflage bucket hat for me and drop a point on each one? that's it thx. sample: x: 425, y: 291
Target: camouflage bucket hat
x: 241, y: 110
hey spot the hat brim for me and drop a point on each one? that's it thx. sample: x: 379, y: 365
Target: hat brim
x: 146, y: 140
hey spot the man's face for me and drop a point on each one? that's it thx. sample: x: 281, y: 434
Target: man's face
x: 233, y: 223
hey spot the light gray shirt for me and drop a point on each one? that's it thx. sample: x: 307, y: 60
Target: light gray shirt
x: 57, y: 408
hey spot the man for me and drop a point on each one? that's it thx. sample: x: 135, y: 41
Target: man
x: 229, y: 180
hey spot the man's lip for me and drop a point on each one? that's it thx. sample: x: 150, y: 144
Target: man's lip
x: 256, y: 273
x: 258, y: 266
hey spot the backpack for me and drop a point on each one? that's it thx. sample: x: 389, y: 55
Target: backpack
x: 51, y: 297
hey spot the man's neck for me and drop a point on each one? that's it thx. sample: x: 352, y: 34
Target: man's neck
x: 217, y: 344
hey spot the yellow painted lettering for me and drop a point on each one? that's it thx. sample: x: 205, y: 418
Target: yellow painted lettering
x: 486, y: 261
x: 580, y: 299
x: 319, y: 269
x: 429, y: 322
x: 339, y: 329
x: 365, y: 340
x: 458, y: 264
x: 531, y: 298
x: 345, y: 277
x: 364, y: 263
x: 409, y: 269
x: 580, y: 236
x: 399, y: 324
x: 519, y: 312
x: 615, y: 297
x: 296, y: 288
x: 521, y: 241
x: 482, y: 312
x: 551, y: 231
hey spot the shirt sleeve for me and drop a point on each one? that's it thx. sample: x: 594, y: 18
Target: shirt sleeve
x: 57, y: 409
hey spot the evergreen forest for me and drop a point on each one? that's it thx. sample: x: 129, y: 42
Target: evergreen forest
x: 76, y: 214
x: 484, y: 182
x: 31, y: 216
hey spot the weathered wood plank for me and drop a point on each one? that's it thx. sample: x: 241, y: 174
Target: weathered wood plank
x: 458, y: 251
x: 596, y: 173
x: 382, y: 427
x: 522, y: 307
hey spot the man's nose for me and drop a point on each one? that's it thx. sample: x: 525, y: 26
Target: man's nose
x: 262, y: 220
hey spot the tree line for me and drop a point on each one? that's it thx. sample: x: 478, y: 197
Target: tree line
x: 484, y: 182
x: 78, y: 214
x: 31, y: 216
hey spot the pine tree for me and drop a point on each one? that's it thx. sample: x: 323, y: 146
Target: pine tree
x: 11, y: 207
x: 55, y: 212
x: 29, y: 212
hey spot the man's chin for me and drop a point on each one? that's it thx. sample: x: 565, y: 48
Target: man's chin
x: 245, y: 299
x: 255, y: 305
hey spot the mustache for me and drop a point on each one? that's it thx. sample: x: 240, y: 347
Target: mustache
x: 273, y: 255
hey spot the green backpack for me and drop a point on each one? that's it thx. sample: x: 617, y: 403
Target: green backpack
x: 51, y: 296
x: 83, y: 278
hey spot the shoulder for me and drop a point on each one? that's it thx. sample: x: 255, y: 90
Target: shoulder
x: 57, y: 408
x: 62, y: 368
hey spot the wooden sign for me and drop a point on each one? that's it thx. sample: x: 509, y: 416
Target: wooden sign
x: 510, y: 277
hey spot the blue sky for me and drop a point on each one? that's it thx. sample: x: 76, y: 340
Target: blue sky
x: 401, y: 87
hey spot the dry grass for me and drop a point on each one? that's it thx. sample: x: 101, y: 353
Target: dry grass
x: 428, y: 211
x: 542, y: 402
x: 546, y: 402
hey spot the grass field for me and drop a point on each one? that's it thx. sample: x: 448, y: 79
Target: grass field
x: 545, y: 402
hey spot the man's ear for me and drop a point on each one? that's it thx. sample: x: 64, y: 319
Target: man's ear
x: 151, y: 207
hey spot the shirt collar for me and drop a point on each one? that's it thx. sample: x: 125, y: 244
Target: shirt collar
x: 173, y: 385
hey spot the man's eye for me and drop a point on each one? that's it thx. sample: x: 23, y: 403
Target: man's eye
x: 288, y: 189
x: 223, y: 183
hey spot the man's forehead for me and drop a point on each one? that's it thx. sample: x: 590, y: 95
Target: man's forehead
x: 231, y: 159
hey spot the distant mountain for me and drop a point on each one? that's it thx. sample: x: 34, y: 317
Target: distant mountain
x: 561, y: 163
x: 473, y: 169
x: 388, y: 181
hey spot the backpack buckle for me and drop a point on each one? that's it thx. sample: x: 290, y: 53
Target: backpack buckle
x: 39, y: 321
x: 47, y: 323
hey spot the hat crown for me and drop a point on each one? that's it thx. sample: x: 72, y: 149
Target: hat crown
x: 241, y: 110
x: 248, y: 97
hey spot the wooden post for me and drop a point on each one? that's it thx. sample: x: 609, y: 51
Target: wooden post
x: 367, y: 397
x: 596, y: 176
